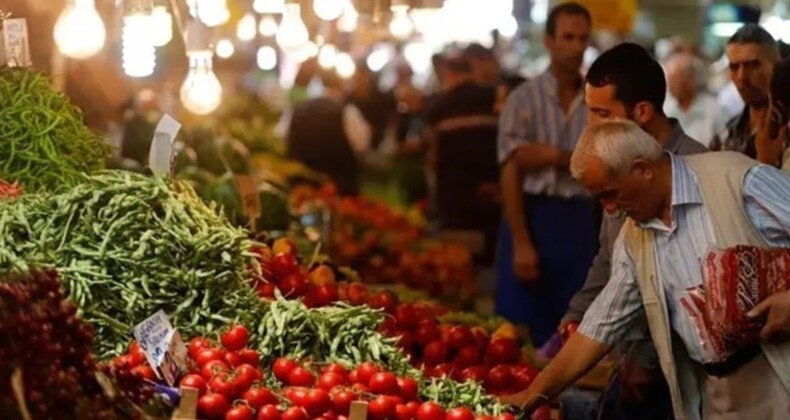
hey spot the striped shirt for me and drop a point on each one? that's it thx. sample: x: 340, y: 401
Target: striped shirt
x: 533, y: 113
x: 680, y: 248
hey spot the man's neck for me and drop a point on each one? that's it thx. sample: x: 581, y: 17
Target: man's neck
x: 757, y: 114
x: 566, y: 81
x: 660, y: 128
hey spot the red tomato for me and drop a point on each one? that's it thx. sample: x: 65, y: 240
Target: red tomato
x: 353, y: 377
x: 282, y: 368
x: 341, y: 400
x: 249, y: 356
x: 475, y: 373
x: 136, y: 354
x: 357, y: 294
x: 467, y: 356
x: 388, y: 327
x: 460, y: 413
x: 542, y: 413
x: 284, y: 264
x: 405, y: 316
x: 427, y: 332
x: 336, y: 368
x: 265, y: 290
x: 502, y: 350
x: 404, y: 412
x: 318, y: 402
x: 212, y: 368
x: 246, y: 375
x: 499, y: 378
x: 232, y: 359
x: 194, y: 381
x: 295, y: 413
x: 505, y: 416
x: 408, y: 388
x: 197, y: 344
x: 296, y: 395
x: 484, y: 418
x: 446, y: 369
x: 269, y: 412
x: 366, y: 370
x: 424, y: 311
x: 383, y: 383
x: 435, y: 353
x: 223, y: 384
x: 523, y: 376
x: 481, y: 337
x: 405, y: 340
x: 206, y: 355
x: 212, y: 406
x: 294, y: 285
x: 122, y: 362
x: 430, y: 411
x: 235, y: 338
x: 460, y: 337
x: 145, y: 372
x: 240, y: 412
x: 258, y: 397
x: 324, y: 295
x: 329, y: 380
x: 360, y: 389
x: 300, y: 377
x: 384, y: 300
x: 381, y: 408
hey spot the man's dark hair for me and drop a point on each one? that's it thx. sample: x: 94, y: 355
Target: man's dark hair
x: 477, y: 51
x: 752, y: 33
x: 635, y: 75
x: 570, y: 8
x: 512, y: 81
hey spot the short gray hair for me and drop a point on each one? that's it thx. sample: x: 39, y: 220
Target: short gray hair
x: 616, y: 144
x: 692, y: 66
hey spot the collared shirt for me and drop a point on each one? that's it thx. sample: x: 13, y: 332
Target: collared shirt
x: 679, y: 248
x: 737, y: 136
x: 703, y: 120
x: 533, y: 114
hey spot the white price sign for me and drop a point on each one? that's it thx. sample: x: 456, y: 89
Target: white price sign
x: 15, y: 46
x: 161, y: 156
x: 164, y: 349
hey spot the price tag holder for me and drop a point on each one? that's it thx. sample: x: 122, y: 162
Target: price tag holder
x: 358, y: 411
x: 250, y: 199
x: 164, y: 349
x: 161, y: 155
x: 15, y: 48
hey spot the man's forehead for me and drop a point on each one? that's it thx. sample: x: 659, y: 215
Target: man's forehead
x: 742, y: 52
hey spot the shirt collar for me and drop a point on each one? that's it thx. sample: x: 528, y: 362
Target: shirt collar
x: 685, y: 191
x: 551, y: 84
x: 673, y: 142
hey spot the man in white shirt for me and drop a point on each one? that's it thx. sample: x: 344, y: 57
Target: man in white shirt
x: 698, y: 112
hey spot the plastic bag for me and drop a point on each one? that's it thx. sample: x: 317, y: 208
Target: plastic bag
x: 734, y: 281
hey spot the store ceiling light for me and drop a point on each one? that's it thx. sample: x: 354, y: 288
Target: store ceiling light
x: 79, y: 31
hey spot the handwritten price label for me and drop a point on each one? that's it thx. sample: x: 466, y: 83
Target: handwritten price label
x: 164, y: 349
x: 161, y: 156
x: 15, y: 46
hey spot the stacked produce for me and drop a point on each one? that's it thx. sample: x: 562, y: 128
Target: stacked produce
x: 41, y: 337
x: 232, y: 385
x: 45, y: 145
x: 126, y: 246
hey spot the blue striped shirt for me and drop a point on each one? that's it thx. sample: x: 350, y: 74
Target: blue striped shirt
x: 679, y: 250
x: 533, y: 113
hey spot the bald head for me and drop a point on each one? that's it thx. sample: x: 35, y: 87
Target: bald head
x: 686, y: 76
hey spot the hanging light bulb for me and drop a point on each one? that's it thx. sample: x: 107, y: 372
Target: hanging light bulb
x: 269, y: 6
x: 268, y: 26
x: 345, y: 66
x: 79, y: 32
x: 307, y: 52
x: 138, y: 53
x: 348, y: 20
x: 292, y: 34
x: 329, y: 9
x: 401, y: 26
x: 201, y: 92
x: 211, y: 12
x: 508, y: 27
x: 162, y: 22
x: 266, y: 58
x: 225, y: 48
x: 327, y: 56
x: 247, y: 28
x: 378, y: 59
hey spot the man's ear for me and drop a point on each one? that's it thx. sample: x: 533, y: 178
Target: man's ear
x: 643, y: 112
x: 643, y: 169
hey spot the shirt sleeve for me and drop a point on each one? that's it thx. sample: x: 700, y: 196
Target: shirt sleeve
x: 766, y: 195
x: 514, y: 122
x: 356, y: 128
x: 618, y: 306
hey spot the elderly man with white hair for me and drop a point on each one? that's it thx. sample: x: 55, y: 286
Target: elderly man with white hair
x: 678, y: 208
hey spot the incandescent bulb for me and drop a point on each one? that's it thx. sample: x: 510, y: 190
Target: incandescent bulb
x: 268, y: 26
x: 292, y: 34
x: 345, y: 66
x: 401, y: 25
x: 378, y: 59
x: 327, y: 56
x: 201, y: 92
x: 266, y: 58
x: 269, y: 6
x: 508, y: 27
x: 225, y: 48
x: 211, y: 12
x: 247, y: 28
x: 138, y: 55
x: 162, y: 26
x: 348, y: 20
x: 329, y: 9
x: 79, y: 32
x: 307, y: 52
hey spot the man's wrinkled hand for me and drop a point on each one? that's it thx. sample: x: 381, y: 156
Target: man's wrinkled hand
x: 526, y: 264
x: 776, y: 310
x: 769, y: 149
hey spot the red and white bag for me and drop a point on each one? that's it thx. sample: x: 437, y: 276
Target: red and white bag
x: 734, y: 281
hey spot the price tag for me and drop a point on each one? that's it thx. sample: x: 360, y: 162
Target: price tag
x: 359, y: 410
x: 164, y: 349
x: 161, y: 156
x: 250, y: 199
x: 15, y: 46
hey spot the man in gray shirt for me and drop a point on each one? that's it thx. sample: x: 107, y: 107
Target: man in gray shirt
x: 626, y: 82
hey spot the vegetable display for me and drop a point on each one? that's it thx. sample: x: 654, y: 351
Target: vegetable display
x: 126, y: 246
x: 45, y: 145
